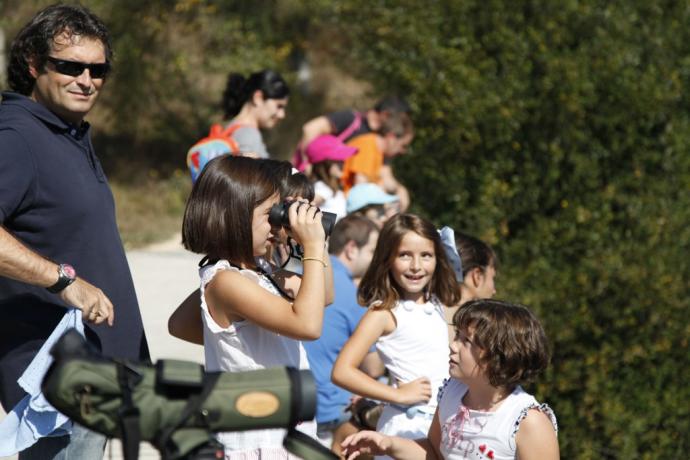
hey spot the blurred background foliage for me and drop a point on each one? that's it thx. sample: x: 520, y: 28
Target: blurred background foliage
x: 557, y: 131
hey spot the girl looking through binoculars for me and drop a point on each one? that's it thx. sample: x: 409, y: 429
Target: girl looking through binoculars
x: 253, y: 319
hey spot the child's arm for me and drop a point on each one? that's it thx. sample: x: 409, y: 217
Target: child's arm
x: 290, y: 282
x: 372, y: 365
x: 185, y: 322
x: 328, y: 279
x: 346, y: 372
x: 373, y: 443
x: 536, y: 438
x: 231, y: 296
x: 391, y: 185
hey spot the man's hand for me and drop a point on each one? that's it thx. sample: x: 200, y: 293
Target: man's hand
x: 95, y: 306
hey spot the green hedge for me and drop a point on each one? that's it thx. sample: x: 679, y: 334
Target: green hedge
x: 559, y: 132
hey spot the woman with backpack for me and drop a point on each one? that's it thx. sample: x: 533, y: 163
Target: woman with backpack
x: 253, y: 103
x: 249, y: 104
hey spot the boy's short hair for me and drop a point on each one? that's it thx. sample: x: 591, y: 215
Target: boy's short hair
x: 514, y: 346
x: 350, y: 228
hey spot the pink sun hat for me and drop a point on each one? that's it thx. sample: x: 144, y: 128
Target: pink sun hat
x: 328, y: 147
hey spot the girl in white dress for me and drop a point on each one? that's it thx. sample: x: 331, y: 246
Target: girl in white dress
x: 253, y: 320
x: 483, y: 412
x: 407, y: 287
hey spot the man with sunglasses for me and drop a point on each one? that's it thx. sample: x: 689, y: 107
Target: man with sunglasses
x: 59, y: 243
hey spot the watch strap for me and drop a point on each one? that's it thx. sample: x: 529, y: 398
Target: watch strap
x: 66, y: 276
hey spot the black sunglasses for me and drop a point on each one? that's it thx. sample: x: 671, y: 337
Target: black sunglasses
x: 74, y: 68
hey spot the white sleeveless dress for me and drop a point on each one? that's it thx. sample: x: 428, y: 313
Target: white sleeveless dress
x: 418, y: 347
x: 244, y: 346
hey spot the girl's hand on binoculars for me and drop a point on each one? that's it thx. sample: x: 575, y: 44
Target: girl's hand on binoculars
x: 305, y: 223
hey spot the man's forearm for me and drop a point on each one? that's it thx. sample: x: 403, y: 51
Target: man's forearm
x: 22, y: 264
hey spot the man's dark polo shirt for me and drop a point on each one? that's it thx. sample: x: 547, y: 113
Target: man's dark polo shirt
x: 55, y: 199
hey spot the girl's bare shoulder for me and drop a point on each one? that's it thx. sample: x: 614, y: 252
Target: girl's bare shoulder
x: 381, y: 317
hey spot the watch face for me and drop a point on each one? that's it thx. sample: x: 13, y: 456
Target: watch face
x: 69, y: 271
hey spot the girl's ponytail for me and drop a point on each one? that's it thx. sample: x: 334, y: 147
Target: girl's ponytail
x: 233, y: 96
x: 238, y: 90
x: 474, y: 253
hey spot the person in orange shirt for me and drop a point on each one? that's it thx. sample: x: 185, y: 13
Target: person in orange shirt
x: 369, y: 163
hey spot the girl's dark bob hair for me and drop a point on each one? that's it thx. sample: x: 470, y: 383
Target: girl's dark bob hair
x: 218, y: 217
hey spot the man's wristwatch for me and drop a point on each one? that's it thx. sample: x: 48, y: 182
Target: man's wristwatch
x: 66, y: 276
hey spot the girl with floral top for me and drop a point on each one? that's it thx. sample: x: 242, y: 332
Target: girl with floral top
x: 483, y: 412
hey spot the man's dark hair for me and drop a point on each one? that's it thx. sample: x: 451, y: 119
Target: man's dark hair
x: 350, y: 228
x: 393, y: 104
x: 34, y: 43
x: 397, y: 123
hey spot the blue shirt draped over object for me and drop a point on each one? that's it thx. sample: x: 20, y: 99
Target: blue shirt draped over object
x: 33, y: 417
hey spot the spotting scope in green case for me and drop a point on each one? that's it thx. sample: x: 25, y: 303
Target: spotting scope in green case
x: 175, y: 405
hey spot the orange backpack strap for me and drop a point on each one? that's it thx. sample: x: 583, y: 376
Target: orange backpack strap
x: 218, y: 131
x: 218, y: 142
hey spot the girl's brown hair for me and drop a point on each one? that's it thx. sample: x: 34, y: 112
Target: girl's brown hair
x: 218, y: 217
x: 378, y: 285
x: 290, y: 183
x: 321, y: 171
x: 513, y: 343
x: 474, y: 253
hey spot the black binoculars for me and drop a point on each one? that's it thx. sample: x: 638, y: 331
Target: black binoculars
x: 278, y: 217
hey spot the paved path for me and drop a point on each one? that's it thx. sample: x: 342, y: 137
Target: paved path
x: 164, y: 275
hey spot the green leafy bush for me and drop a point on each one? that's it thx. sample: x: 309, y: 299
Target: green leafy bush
x: 559, y: 132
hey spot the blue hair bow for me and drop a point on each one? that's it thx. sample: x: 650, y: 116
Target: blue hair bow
x: 448, y: 240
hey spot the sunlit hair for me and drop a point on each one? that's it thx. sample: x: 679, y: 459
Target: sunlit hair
x: 474, y: 253
x: 240, y: 89
x: 218, y: 217
x: 377, y: 285
x: 514, y: 348
x: 36, y: 41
